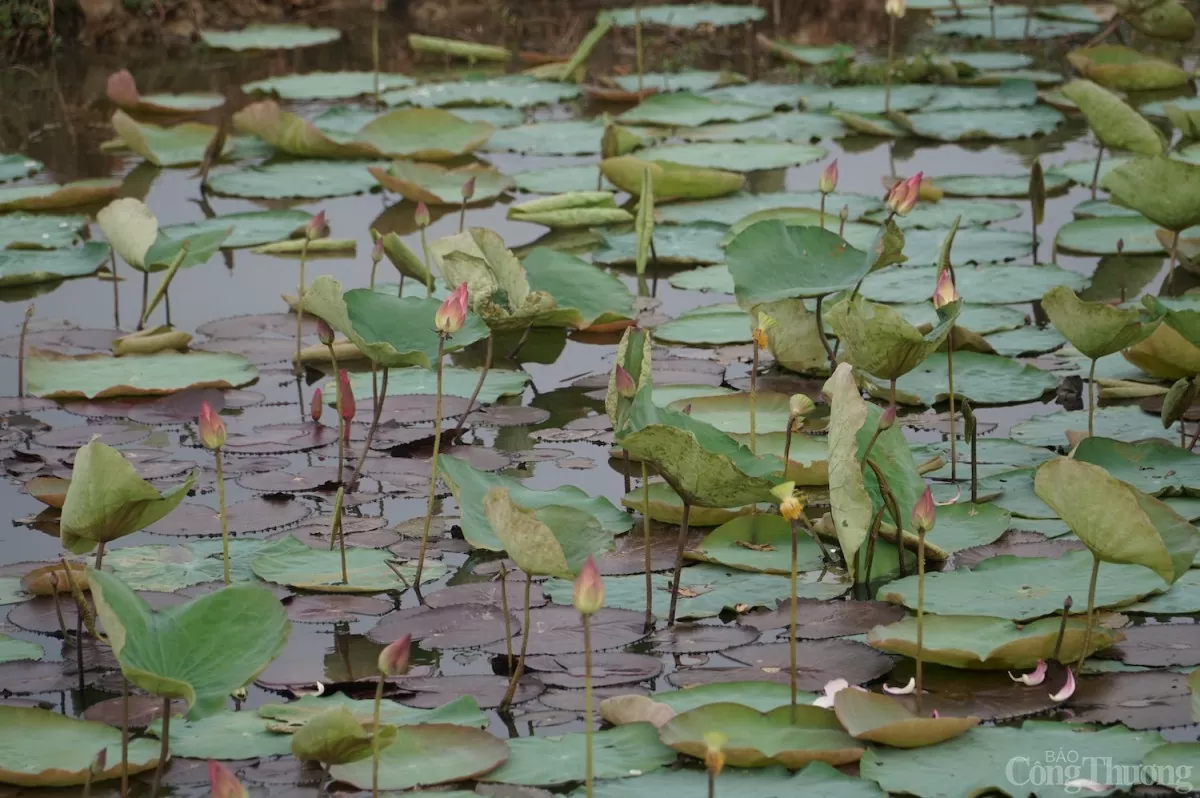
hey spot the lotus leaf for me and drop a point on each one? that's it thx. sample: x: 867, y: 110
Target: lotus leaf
x: 50, y: 197
x: 797, y: 126
x: 1012, y: 28
x: 810, y: 54
x: 55, y: 376
x: 730, y: 210
x: 249, y: 229
x: 1001, y: 284
x: 623, y: 751
x: 1117, y: 125
x: 982, y: 124
x: 994, y: 186
x: 199, y: 651
x: 327, y: 85
x: 869, y: 99
x: 554, y: 540
x: 1181, y: 318
x: 771, y: 260
x: 1095, y: 328
x: 878, y: 340
x: 424, y: 134
x: 713, y: 325
x: 760, y: 695
x: 759, y: 544
x: 1107, y: 235
x: 666, y: 507
x: 289, y: 562
x: 1165, y: 355
x: 751, y: 156
x: 336, y: 737
x: 670, y: 181
x: 14, y: 650
x: 577, y: 209
x: 40, y: 748
x: 882, y: 719
x: 685, y: 109
x: 941, y: 215
x: 1125, y: 69
x: 293, y: 716
x: 687, y: 16
x: 1164, y: 190
x: 561, y: 179
x: 1162, y: 19
x: 270, y: 37
x: 692, y: 80
x: 181, y: 145
x: 224, y: 735
x: 455, y: 382
x: 428, y: 754
x: 437, y: 185
x: 171, y: 568
x: 306, y: 179
x: 783, y: 736
x: 498, y: 287
x: 1154, y: 467
x: 558, y: 137
x: 28, y: 267
x: 14, y: 166
x: 983, y: 643
x: 683, y: 245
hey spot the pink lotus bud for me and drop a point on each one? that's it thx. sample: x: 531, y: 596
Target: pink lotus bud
x: 468, y: 190
x: 625, y: 385
x: 904, y: 195
x: 887, y: 419
x: 829, y: 178
x: 451, y: 316
x: 924, y: 512
x: 945, y: 293
x: 212, y: 428
x: 122, y: 90
x: 316, y: 407
x: 316, y: 227
x: 347, y: 396
x: 224, y: 783
x: 377, y: 250
x: 324, y: 332
x: 393, y: 660
x: 421, y: 216
x: 588, y: 596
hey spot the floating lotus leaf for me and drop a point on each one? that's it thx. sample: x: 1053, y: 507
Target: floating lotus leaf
x: 428, y: 754
x: 857, y: 234
x: 107, y: 500
x: 561, y: 179
x: 55, y: 376
x: 941, y: 215
x: 1011, y: 28
x: 1095, y: 328
x: 437, y: 185
x: 290, y: 562
x: 982, y: 123
x: 224, y: 735
x: 882, y: 719
x: 20, y: 267
x: 1164, y: 190
x: 171, y: 568
x: 250, y: 228
x: 49, y: 197
x: 577, y: 209
x: 750, y: 156
x: 40, y: 748
x: 586, y: 296
x: 685, y: 17
x: 1107, y: 235
x: 693, y: 80
x: 1165, y: 355
x: 14, y: 650
x: 471, y: 486
x: 1125, y: 69
x: 810, y: 55
x: 685, y: 109
x: 681, y: 245
x: 1116, y: 124
x: 336, y: 737
x: 670, y: 181
x: 199, y: 651
x: 1024, y: 588
x: 623, y: 751
x: 756, y: 739
x: 455, y: 382
x: 993, y: 186
x: 869, y: 99
x: 730, y: 413
x: 759, y: 544
x: 327, y: 85
x: 1000, y: 284
x: 878, y: 340
x: 424, y: 134
x: 713, y: 325
x: 771, y: 260
x: 817, y: 778
x: 729, y: 210
x: 14, y: 166
x: 1162, y: 19
x: 181, y: 145
x: 1118, y: 522
x: 983, y: 378
x: 293, y: 716
x: 558, y: 137
x: 306, y: 179
x: 460, y: 49
x: 990, y: 61
x: 270, y: 37
x: 797, y: 126
x: 666, y: 507
x: 983, y: 643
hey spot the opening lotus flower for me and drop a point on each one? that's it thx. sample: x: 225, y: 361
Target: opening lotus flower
x: 224, y: 783
x: 317, y: 227
x: 946, y: 292
x: 588, y: 595
x: 212, y: 428
x: 624, y: 383
x: 451, y: 316
x: 393, y: 660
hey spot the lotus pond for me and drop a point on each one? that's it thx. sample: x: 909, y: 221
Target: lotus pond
x: 793, y: 419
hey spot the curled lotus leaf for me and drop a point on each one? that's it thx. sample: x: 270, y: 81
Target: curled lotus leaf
x: 497, y: 284
x: 879, y: 340
x: 1165, y: 354
x: 1123, y: 68
x: 336, y: 737
x: 1096, y: 328
x: 879, y: 718
x: 552, y: 540
x: 1116, y: 124
x: 670, y: 181
x: 1164, y: 190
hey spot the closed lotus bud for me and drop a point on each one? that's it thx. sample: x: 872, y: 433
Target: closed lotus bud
x: 714, y: 754
x: 588, y: 595
x: 212, y: 428
x: 844, y: 214
x: 924, y: 512
x: 468, y: 190
x: 377, y: 250
x: 791, y: 508
x: 904, y: 195
x: 894, y: 8
x: 1178, y: 400
x: 800, y: 405
x: 452, y: 314
x: 393, y: 660
x: 829, y: 178
x: 224, y: 784
x: 625, y: 385
x: 347, y: 396
x: 421, y: 215
x: 945, y: 293
x: 324, y: 332
x: 887, y: 419
x: 316, y: 407
x: 1067, y: 603
x: 316, y: 227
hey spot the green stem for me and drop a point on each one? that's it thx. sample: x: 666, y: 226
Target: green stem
x: 1087, y: 633
x: 1174, y: 256
x: 638, y: 51
x: 339, y: 531
x: 375, y: 738
x: 375, y: 57
x: 21, y: 352
x: 300, y: 306
x: 337, y: 394
x: 429, y: 274
x: 380, y: 396
x: 683, y: 533
x: 516, y: 677
x: 1096, y: 171
x: 507, y: 617
x: 1062, y: 630
x: 753, y: 399
x: 433, y: 469
x: 164, y: 749
x: 224, y: 515
x: 487, y: 365
x: 1091, y: 397
x: 794, y: 614
x: 950, y: 378
x: 646, y: 546
x: 920, y: 611
x: 99, y: 555
x: 887, y: 91
x: 822, y: 210
x: 829, y: 353
x: 587, y: 697
x: 124, y: 735
x: 869, y: 560
x: 462, y: 216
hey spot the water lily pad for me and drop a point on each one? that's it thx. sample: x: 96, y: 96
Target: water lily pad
x: 996, y: 185
x: 729, y: 210
x: 620, y: 752
x: 869, y: 99
x: 171, y: 568
x: 250, y: 228
x: 693, y: 80
x: 683, y: 245
x: 714, y: 325
x: 13, y: 649
x: 27, y: 267
x: 40, y: 748
x: 270, y: 37
x: 14, y: 166
x: 686, y: 109
x: 1161, y: 189
x: 456, y: 382
x: 436, y: 185
x: 49, y: 197
x: 559, y: 137
x: 1126, y: 69
x: 289, y: 562
x: 1024, y: 588
x: 768, y: 95
x: 1182, y: 599
x: 1012, y: 28
x: 984, y: 379
x: 225, y: 735
x: 941, y: 215
x: 556, y: 630
x: 1009, y: 94
x: 989, y: 61
x: 1099, y: 236
x: 327, y: 85
x: 810, y: 55
x: 57, y: 376
x: 586, y: 295
x: 428, y: 754
x: 759, y: 544
x: 181, y: 145
x: 797, y: 126
x: 309, y: 179
x: 784, y: 736
x: 817, y: 262
x: 1122, y: 423
x: 670, y: 181
x: 1000, y: 284
x: 561, y: 179
x: 424, y: 134
x: 982, y: 123
x: 685, y: 17
x: 515, y: 91
x: 736, y: 157
x: 1153, y: 467
x: 882, y: 719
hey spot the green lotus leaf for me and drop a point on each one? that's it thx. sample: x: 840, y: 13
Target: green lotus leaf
x: 497, y: 286
x: 1000, y: 284
x: 1119, y: 67
x: 979, y: 642
x: 730, y: 413
x: 685, y: 109
x: 857, y: 234
x: 40, y: 231
x: 427, y: 754
x: 1165, y: 354
x: 1127, y: 233
x: 728, y: 210
x: 769, y: 550
x: 562, y: 179
x: 557, y: 137
x: 685, y: 17
x: 21, y: 267
x: 877, y: 339
x: 470, y: 486
x: 336, y: 737
x: 14, y: 166
x: 1118, y: 522
x: 670, y: 181
x: 1013, y: 186
x: 711, y: 325
x: 1182, y: 320
x: 270, y: 37
x: 692, y: 80
x: 437, y: 185
x: 758, y: 739
x: 1117, y: 125
x: 576, y: 209
x: 981, y: 123
x: 107, y: 500
x: 199, y: 651
x: 424, y: 134
x: 40, y: 748
x: 249, y: 229
x: 675, y: 245
x: 14, y: 649
x: 628, y: 750
x: 293, y: 716
x: 633, y: 355
x: 342, y: 85
x: 666, y: 507
x: 809, y: 54
x: 288, y: 561
x: 181, y: 145
x: 50, y: 197
x: 771, y: 260
x: 1162, y: 19
x: 1164, y: 190
x: 1095, y: 328
x: 553, y: 540
x: 55, y: 376
x: 797, y: 126
x: 794, y: 340
x: 585, y: 295
x: 293, y: 134
x: 983, y: 378
x: 391, y: 331
x: 732, y: 156
x: 1154, y: 467
x: 869, y: 99
x: 879, y: 718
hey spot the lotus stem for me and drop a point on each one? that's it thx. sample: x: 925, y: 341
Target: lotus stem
x: 712, y: 783
x: 487, y: 365
x: 375, y: 726
x: 380, y: 397
x: 683, y: 534
x: 892, y: 392
x: 79, y: 647
x: 21, y: 351
x: 920, y: 611
x: 124, y: 736
x: 1062, y: 629
x: 520, y: 344
x: 950, y: 378
x: 795, y: 610
x: 1091, y: 397
x: 163, y: 286
x: 1028, y: 18
x: 637, y: 45
x: 340, y: 531
x: 1096, y: 171
x: 400, y: 287
x: 992, y: 15
x: 817, y: 539
x: 646, y: 546
x: 425, y: 255
x: 462, y: 215
x: 822, y: 217
x: 300, y: 306
x: 516, y: 677
x: 893, y: 508
x: 224, y: 514
x: 507, y: 617
x: 337, y: 376
x: 957, y: 8
x: 145, y: 293
x: 433, y: 474
x: 787, y: 444
x: 629, y: 487
x: 99, y: 555
x: 754, y: 400
x: 1174, y: 257
x: 829, y: 353
x: 62, y: 622
x: 1087, y: 633
x: 887, y: 90
x: 164, y: 751
x: 876, y: 523
x: 974, y: 466
x: 375, y: 67
x: 112, y: 267
x: 587, y: 697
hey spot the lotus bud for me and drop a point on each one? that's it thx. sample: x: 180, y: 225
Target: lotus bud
x: 421, y: 215
x: 224, y: 783
x: 468, y: 189
x: 393, y: 660
x: 100, y: 763
x: 626, y: 388
x: 1067, y: 604
x: 377, y: 250
x: 800, y: 405
x: 451, y: 316
x: 324, y: 332
x: 347, y: 396
x: 316, y: 407
x: 714, y: 755
x: 791, y: 508
x: 945, y: 293
x: 829, y: 178
x: 894, y: 8
x: 588, y: 596
x: 887, y: 419
x: 212, y: 428
x: 904, y: 195
x: 844, y: 214
x: 924, y: 512
x: 316, y: 227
